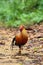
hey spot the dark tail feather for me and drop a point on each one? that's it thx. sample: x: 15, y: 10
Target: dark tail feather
x: 12, y: 44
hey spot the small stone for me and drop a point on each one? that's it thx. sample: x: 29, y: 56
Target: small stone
x: 26, y: 59
x: 41, y: 46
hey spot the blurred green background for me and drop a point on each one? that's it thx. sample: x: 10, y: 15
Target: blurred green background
x: 16, y: 12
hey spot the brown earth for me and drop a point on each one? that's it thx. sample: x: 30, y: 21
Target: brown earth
x: 32, y: 53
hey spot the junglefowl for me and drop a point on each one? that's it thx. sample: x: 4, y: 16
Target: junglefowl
x: 20, y: 38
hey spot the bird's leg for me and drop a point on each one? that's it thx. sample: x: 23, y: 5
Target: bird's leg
x: 20, y: 50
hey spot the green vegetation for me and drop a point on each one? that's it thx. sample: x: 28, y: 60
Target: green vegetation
x: 16, y: 12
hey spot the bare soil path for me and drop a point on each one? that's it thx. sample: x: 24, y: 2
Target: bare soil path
x: 32, y: 53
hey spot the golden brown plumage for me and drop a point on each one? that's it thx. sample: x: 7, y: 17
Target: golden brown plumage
x: 20, y: 38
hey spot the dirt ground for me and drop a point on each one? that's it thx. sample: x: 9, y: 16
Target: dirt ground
x: 32, y: 53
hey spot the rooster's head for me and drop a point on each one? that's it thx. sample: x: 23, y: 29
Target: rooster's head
x: 21, y: 27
